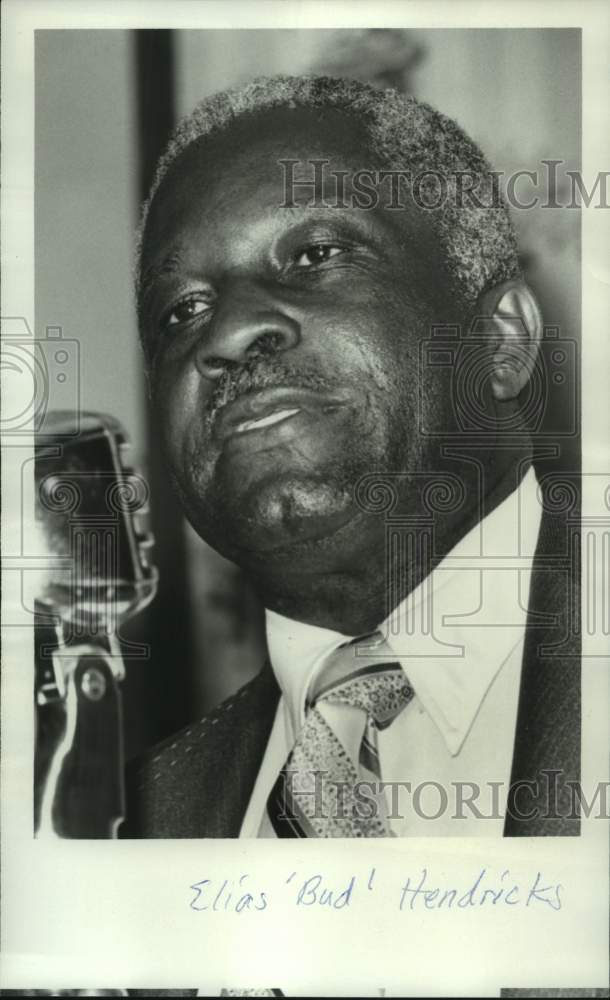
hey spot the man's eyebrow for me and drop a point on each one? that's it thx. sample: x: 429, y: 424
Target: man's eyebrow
x: 368, y: 226
x: 345, y: 218
x: 169, y: 265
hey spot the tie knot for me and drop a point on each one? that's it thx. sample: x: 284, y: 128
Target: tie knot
x: 358, y: 674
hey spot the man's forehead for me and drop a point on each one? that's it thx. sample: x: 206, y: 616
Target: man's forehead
x: 264, y: 173
x: 252, y: 143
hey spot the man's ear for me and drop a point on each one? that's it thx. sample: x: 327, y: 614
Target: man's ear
x: 510, y: 315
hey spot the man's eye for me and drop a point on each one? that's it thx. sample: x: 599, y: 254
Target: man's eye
x: 186, y: 310
x: 317, y: 254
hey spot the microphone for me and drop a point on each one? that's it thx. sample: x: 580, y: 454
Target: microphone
x: 97, y: 573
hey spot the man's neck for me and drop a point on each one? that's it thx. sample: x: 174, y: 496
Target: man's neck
x: 356, y: 598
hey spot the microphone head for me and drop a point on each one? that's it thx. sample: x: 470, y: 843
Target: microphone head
x: 90, y: 532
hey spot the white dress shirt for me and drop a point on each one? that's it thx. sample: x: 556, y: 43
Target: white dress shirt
x: 459, y: 638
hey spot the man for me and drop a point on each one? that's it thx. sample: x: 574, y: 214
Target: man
x: 307, y: 246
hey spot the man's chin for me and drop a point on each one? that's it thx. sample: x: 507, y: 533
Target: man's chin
x: 283, y: 517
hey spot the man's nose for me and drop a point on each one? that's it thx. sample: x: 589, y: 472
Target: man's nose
x: 248, y: 322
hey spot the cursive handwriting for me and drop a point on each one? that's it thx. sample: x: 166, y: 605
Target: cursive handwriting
x: 416, y: 892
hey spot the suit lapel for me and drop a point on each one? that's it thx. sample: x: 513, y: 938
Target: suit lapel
x: 198, y: 783
x: 547, y: 741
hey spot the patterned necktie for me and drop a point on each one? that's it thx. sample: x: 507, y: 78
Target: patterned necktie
x: 329, y: 784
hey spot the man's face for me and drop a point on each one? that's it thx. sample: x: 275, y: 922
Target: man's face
x: 283, y: 341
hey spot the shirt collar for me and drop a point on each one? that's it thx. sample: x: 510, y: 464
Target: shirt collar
x: 296, y: 650
x: 450, y: 655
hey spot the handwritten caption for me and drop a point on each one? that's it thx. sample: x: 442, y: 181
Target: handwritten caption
x: 414, y: 893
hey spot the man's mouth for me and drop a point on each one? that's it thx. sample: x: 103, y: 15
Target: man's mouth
x: 273, y: 418
x: 266, y: 408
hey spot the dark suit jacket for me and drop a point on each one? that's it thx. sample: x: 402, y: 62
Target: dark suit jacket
x: 198, y: 783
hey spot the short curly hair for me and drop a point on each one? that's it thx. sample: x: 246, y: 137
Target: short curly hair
x: 477, y: 241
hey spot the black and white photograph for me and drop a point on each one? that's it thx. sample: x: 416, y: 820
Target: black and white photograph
x: 305, y: 536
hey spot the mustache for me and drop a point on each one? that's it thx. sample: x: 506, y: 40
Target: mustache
x: 258, y: 374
